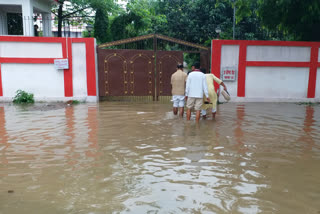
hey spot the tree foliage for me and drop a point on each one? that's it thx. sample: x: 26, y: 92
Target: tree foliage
x: 301, y: 19
x: 101, y: 26
x: 80, y: 11
x: 196, y: 21
x: 139, y: 18
x: 289, y: 19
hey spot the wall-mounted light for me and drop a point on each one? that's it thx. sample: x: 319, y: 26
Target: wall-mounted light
x: 89, y: 28
x: 218, y: 31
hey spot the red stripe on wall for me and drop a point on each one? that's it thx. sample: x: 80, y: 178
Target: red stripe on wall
x: 242, y: 70
x: 91, y: 67
x: 216, y: 60
x: 1, y: 93
x: 27, y: 60
x: 31, y: 39
x: 67, y: 53
x: 277, y: 64
x: 313, y: 71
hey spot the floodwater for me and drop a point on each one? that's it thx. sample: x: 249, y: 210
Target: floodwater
x: 138, y: 158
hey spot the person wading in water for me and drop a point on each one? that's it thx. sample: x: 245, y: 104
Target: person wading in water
x: 195, y: 88
x: 178, y: 82
x: 210, y: 78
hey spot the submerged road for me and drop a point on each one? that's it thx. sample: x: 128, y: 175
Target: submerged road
x: 117, y: 157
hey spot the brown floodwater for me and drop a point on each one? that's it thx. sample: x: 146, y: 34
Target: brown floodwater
x: 117, y: 157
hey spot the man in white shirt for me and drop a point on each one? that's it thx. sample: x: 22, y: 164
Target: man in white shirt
x: 195, y: 88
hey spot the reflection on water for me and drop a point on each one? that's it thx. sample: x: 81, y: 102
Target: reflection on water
x: 139, y: 158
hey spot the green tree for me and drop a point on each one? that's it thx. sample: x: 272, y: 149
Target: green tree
x: 139, y: 18
x: 68, y: 9
x: 80, y: 10
x: 287, y: 19
x: 249, y: 25
x: 301, y: 19
x: 101, y: 25
x: 196, y: 21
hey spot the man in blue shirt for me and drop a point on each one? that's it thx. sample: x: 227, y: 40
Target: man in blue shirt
x: 195, y: 88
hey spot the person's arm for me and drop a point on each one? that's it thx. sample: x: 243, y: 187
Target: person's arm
x: 224, y: 86
x: 219, y: 81
x: 185, y: 81
x: 187, y: 87
x: 205, y: 87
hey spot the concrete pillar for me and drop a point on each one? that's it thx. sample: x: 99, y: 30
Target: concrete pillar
x: 46, y: 24
x: 27, y: 16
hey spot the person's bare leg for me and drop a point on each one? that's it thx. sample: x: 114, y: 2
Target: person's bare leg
x: 214, y: 111
x: 204, y: 114
x: 175, y: 110
x: 198, y: 115
x: 181, y: 111
x: 188, y: 114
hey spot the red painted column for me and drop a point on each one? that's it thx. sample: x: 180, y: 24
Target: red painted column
x: 91, y: 67
x: 242, y: 70
x: 67, y: 53
x: 216, y: 60
x: 313, y: 71
x: 1, y: 92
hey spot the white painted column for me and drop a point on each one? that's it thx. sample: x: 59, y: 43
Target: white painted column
x: 3, y: 23
x: 27, y: 16
x: 46, y: 21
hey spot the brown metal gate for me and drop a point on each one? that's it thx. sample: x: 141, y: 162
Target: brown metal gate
x: 126, y: 73
x: 133, y: 73
x: 166, y: 65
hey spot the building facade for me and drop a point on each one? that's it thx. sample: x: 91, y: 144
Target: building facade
x: 17, y: 17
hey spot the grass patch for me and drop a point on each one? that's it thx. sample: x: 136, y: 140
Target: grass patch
x: 74, y: 102
x: 23, y: 97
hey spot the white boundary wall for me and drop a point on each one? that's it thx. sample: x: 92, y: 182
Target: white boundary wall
x: 41, y: 77
x: 270, y: 83
x: 276, y: 82
x: 30, y: 50
x: 43, y: 80
x: 318, y: 83
x: 230, y: 58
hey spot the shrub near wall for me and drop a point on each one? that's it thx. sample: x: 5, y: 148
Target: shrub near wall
x: 23, y: 97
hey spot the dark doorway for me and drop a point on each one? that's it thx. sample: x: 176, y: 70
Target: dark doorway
x: 15, y: 24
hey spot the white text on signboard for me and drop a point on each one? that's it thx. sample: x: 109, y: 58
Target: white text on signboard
x: 229, y: 74
x: 61, y: 63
